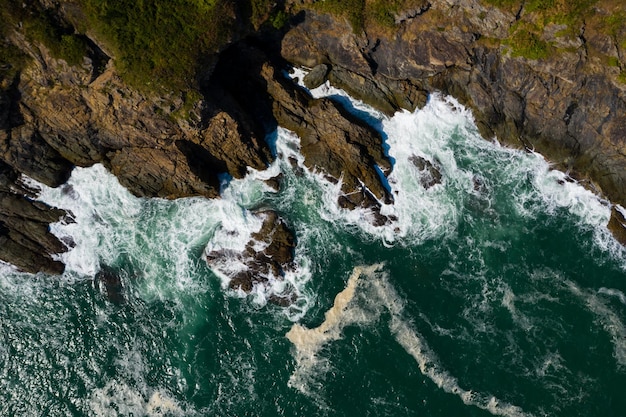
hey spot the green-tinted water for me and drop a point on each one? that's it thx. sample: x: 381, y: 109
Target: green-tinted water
x: 499, y: 292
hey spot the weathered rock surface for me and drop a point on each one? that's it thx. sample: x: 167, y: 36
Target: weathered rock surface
x: 430, y: 174
x: 333, y: 141
x: 25, y: 239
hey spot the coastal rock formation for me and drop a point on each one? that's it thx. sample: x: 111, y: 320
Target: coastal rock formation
x: 540, y: 82
x: 430, y: 173
x: 566, y: 102
x: 25, y: 239
x: 333, y: 141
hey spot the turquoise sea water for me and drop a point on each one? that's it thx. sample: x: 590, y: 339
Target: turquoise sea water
x: 497, y: 292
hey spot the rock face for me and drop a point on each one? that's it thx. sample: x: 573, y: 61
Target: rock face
x: 333, y: 141
x: 25, y: 240
x: 430, y: 174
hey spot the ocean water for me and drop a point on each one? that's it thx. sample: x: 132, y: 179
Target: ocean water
x: 498, y: 291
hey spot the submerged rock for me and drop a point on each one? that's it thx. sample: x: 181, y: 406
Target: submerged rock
x: 111, y: 280
x: 430, y: 174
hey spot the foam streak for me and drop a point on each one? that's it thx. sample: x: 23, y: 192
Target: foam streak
x: 346, y: 311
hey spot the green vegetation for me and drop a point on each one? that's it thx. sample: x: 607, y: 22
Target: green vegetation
x: 528, y: 44
x: 353, y: 10
x: 503, y: 3
x: 613, y: 62
x: 166, y: 43
x: 526, y: 38
x: 159, y: 44
x: 12, y: 60
x: 40, y: 26
x: 381, y: 13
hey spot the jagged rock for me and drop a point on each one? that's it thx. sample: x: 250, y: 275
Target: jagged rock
x: 25, y: 239
x: 332, y: 140
x: 322, y: 40
x: 236, y: 151
x: 317, y: 76
x: 617, y: 225
x: 430, y: 174
x: 139, y: 136
x: 26, y: 259
x: 141, y: 170
x: 268, y: 254
x: 275, y: 182
x: 569, y: 105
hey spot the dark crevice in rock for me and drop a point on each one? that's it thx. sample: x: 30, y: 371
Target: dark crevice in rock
x: 412, y: 13
x: 569, y: 111
x: 518, y: 14
x: 10, y: 115
x: 368, y: 56
x: 99, y: 59
x: 206, y: 166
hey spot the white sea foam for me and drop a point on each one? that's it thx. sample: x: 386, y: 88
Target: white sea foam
x: 366, y: 296
x: 162, y: 240
x: 422, y: 213
x: 608, y: 319
x: 612, y: 292
x: 117, y: 398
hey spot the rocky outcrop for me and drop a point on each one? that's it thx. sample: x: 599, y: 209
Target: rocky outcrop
x: 109, y: 281
x: 430, y: 174
x: 267, y: 256
x: 25, y: 239
x: 569, y: 104
x: 333, y: 141
x: 169, y: 145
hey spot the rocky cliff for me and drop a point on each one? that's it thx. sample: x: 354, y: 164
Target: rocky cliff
x: 558, y: 90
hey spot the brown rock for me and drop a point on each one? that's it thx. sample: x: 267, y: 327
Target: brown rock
x: 317, y: 76
x: 142, y: 171
x: 269, y: 253
x: 617, y: 225
x: 332, y: 140
x: 569, y: 105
